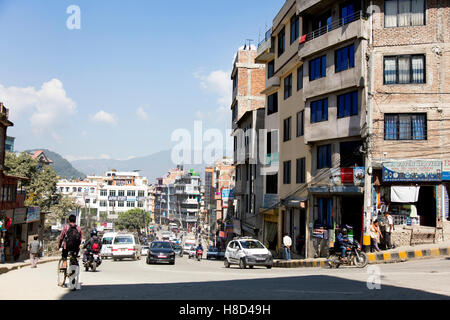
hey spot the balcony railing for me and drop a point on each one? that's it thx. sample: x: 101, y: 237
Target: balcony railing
x: 267, y: 36
x: 335, y: 25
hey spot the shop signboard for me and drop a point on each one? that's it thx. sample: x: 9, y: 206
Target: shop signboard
x: 412, y: 170
x: 446, y: 170
x: 33, y: 214
x: 347, y: 175
x: 358, y: 176
x: 227, y: 193
x: 336, y: 176
x: 19, y: 216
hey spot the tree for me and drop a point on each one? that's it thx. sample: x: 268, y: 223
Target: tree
x: 132, y: 219
x: 41, y: 187
x: 62, y: 208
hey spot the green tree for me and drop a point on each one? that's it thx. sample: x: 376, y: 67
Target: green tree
x: 62, y: 208
x: 132, y: 219
x: 41, y: 186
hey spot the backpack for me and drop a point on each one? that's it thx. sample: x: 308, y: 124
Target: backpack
x: 73, y: 239
x: 95, y: 246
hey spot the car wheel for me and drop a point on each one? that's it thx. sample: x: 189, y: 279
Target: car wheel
x: 114, y: 259
x: 251, y: 267
x: 269, y: 267
x: 226, y: 263
x: 242, y: 264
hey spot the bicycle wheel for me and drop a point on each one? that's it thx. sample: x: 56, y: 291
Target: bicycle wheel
x: 62, y: 273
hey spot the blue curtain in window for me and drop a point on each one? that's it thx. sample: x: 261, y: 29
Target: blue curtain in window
x: 329, y: 211
x: 390, y: 123
x: 351, y: 56
x: 347, y: 13
x: 312, y: 70
x: 354, y: 103
x: 324, y: 66
x: 348, y: 104
x: 319, y: 110
x: 320, y: 211
x: 313, y: 112
x: 325, y: 109
x: 328, y: 160
x: 341, y: 103
x: 418, y: 123
x: 344, y: 58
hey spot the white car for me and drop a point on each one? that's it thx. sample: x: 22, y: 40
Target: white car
x: 126, y: 246
x: 191, y: 252
x: 107, y: 242
x: 187, y: 245
x: 144, y: 250
x: 247, y: 252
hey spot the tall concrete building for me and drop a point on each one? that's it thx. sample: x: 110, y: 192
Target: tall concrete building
x: 361, y: 97
x: 247, y: 120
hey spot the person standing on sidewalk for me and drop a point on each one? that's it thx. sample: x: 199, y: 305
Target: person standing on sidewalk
x: 389, y: 227
x: 35, y: 248
x: 287, y: 242
x: 375, y: 235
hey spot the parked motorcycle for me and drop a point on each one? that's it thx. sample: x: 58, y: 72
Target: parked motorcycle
x: 93, y: 260
x: 353, y: 256
x: 199, y: 254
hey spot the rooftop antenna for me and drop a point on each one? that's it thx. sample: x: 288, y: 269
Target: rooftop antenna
x: 249, y: 44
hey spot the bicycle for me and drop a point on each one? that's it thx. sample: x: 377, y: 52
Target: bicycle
x: 62, y: 272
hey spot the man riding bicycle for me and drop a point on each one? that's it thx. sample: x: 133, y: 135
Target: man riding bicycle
x: 70, y: 239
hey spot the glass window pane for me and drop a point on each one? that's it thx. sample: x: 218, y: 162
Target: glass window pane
x: 390, y: 14
x: 418, y: 67
x: 390, y: 72
x: 351, y: 54
x: 404, y: 72
x: 354, y: 103
x: 404, y: 13
x: 405, y: 127
x: 348, y: 104
x: 418, y: 12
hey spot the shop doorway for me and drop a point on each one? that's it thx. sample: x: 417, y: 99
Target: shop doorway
x: 426, y: 206
x: 301, y: 237
x: 352, y: 214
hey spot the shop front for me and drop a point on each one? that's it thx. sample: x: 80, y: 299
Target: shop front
x: 413, y: 192
x: 270, y: 228
x: 294, y: 224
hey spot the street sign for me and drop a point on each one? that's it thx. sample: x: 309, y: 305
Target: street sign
x: 413, y: 170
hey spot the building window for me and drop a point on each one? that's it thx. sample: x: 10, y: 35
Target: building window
x: 112, y: 193
x: 300, y: 78
x: 300, y: 123
x: 324, y: 210
x: 103, y: 203
x: 130, y: 204
x: 141, y: 193
x: 301, y: 170
x: 131, y: 193
x: 347, y: 104
x: 120, y: 204
x: 121, y: 193
x: 344, y: 58
x: 140, y: 204
x: 404, y: 13
x: 270, y: 69
x: 324, y: 156
x: 272, y: 183
x: 272, y: 103
x: 111, y: 203
x: 318, y: 68
x: 281, y: 42
x: 287, y: 172
x: 404, y: 69
x: 319, y: 110
x: 405, y: 126
x: 288, y: 86
x: 103, y: 193
x: 295, y: 28
x: 287, y: 129
x: 234, y: 110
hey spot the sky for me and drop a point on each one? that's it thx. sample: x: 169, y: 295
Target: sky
x: 133, y: 73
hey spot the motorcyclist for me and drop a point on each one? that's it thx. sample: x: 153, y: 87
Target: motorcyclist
x: 343, y: 241
x: 92, y: 245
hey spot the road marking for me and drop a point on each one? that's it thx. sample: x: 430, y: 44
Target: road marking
x: 319, y: 292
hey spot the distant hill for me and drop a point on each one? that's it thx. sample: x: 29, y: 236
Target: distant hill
x: 63, y: 168
x: 153, y: 166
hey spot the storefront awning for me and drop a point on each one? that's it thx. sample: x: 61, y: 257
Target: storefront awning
x: 295, y: 202
x: 336, y: 190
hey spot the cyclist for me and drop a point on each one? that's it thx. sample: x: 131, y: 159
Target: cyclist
x: 93, y: 244
x: 70, y: 239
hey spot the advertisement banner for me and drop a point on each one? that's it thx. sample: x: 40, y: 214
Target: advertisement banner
x: 227, y: 193
x: 358, y: 176
x: 412, y: 170
x: 33, y: 214
x: 19, y: 216
x: 347, y: 175
x: 446, y: 170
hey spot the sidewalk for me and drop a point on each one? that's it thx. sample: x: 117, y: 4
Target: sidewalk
x: 10, y: 266
x: 400, y: 254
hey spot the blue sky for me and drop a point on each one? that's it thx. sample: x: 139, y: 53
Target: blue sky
x: 135, y: 71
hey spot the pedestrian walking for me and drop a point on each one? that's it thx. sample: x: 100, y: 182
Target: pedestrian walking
x: 287, y: 242
x: 388, y: 231
x: 35, y: 247
x: 375, y: 235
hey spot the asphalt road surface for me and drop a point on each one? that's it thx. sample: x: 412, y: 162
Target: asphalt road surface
x: 189, y: 279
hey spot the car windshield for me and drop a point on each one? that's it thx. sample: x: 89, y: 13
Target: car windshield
x: 161, y: 245
x: 212, y: 249
x: 177, y: 247
x: 108, y: 240
x: 123, y: 240
x: 252, y: 245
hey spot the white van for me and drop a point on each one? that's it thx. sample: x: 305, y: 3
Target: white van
x: 126, y: 245
x: 107, y: 242
x: 188, y: 243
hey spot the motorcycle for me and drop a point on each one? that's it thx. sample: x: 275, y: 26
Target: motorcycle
x: 199, y: 254
x: 93, y: 260
x: 353, y: 256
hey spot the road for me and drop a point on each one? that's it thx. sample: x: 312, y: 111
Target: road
x: 207, y: 280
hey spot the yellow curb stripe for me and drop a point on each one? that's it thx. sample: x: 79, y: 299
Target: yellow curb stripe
x: 418, y: 253
x: 372, y: 257
x: 403, y: 255
x: 435, y: 252
x: 387, y: 256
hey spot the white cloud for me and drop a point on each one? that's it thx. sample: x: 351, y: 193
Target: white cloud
x: 105, y: 117
x: 142, y: 114
x: 46, y: 109
x: 217, y: 82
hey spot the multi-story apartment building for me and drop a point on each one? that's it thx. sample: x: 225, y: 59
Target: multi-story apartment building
x: 363, y: 107
x: 247, y: 121
x: 186, y: 202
